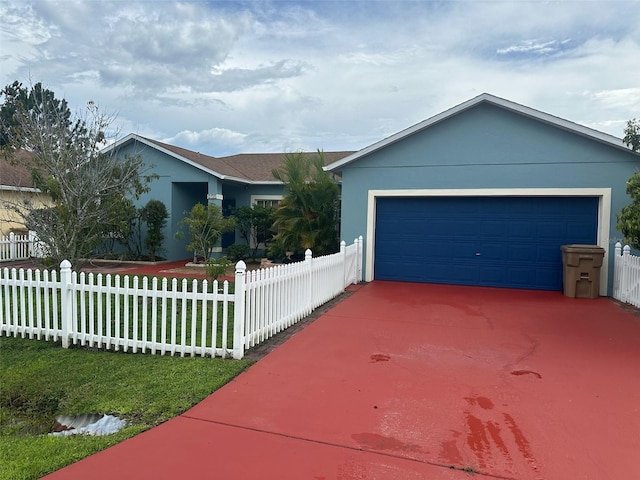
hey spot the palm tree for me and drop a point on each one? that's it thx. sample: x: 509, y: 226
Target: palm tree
x: 308, y: 215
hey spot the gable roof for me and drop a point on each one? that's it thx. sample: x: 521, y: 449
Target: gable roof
x: 14, y: 171
x: 251, y: 168
x: 493, y: 100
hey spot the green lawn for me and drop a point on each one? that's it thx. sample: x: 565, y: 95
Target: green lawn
x: 40, y: 380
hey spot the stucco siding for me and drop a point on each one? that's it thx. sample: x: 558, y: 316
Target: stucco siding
x: 9, y: 219
x: 487, y: 135
x: 243, y: 193
x: 487, y: 148
x: 179, y: 186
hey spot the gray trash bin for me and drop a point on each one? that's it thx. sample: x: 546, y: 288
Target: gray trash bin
x: 581, y: 270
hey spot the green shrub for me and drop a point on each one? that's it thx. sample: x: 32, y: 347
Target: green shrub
x: 155, y: 214
x: 238, y: 251
x: 217, y: 267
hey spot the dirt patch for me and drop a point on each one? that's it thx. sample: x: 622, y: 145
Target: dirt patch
x: 627, y: 307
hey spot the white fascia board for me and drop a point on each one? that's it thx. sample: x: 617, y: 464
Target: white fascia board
x: 558, y: 122
x: 11, y: 188
x: 398, y: 136
x: 264, y: 182
x: 501, y: 102
x: 121, y: 142
x: 144, y: 141
x: 251, y: 182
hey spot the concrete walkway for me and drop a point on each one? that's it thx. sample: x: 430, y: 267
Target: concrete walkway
x: 414, y: 381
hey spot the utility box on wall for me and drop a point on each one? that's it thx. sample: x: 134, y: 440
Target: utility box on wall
x: 581, y: 270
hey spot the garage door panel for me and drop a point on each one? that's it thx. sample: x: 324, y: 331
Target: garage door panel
x: 549, y: 254
x: 491, y: 275
x: 463, y: 249
x: 518, y: 239
x: 465, y: 273
x: 518, y: 252
x: 518, y: 229
x: 492, y: 228
x: 520, y: 276
x: 551, y: 229
x: 436, y: 250
x: 578, y: 229
x: 546, y: 275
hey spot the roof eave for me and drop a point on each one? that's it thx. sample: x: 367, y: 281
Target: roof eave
x: 133, y: 137
x: 559, y: 122
x: 251, y: 182
x: 13, y: 188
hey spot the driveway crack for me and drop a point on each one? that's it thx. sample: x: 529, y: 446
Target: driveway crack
x: 469, y: 470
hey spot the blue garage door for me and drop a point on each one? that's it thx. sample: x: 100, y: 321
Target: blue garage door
x: 489, y: 241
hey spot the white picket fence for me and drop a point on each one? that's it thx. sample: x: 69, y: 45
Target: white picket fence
x: 626, y: 276
x: 156, y: 316
x: 20, y: 247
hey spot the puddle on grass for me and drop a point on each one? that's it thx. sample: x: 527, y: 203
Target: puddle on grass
x: 87, y: 424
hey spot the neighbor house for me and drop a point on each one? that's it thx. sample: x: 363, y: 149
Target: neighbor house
x: 187, y: 177
x: 485, y: 193
x: 16, y: 187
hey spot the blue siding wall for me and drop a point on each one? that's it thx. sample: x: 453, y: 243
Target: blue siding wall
x: 179, y: 187
x: 242, y: 194
x: 486, y: 147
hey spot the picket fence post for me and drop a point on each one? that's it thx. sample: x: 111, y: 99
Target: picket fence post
x: 12, y: 246
x: 345, y: 267
x: 308, y: 256
x: 66, y: 302
x: 238, y: 311
x: 359, y: 241
x: 618, y: 249
x: 626, y: 273
x: 617, y: 271
x: 32, y: 243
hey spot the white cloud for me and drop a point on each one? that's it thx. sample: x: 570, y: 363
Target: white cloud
x: 537, y: 47
x: 211, y: 136
x: 625, y: 98
x: 228, y: 77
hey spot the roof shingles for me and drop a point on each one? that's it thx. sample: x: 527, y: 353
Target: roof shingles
x: 14, y: 170
x: 249, y: 167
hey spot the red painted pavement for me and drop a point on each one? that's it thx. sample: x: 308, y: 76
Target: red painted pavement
x: 403, y: 381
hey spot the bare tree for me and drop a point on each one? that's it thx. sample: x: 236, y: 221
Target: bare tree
x: 84, y: 184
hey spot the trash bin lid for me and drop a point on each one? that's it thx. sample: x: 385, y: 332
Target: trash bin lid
x: 577, y: 248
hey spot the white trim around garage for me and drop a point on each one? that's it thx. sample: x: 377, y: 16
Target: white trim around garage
x: 604, y: 212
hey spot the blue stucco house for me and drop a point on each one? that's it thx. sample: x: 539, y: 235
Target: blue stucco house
x: 485, y: 193
x: 187, y: 177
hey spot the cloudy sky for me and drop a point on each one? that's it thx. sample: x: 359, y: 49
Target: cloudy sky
x: 274, y: 76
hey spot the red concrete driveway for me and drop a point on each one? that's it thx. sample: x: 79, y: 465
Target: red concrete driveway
x: 415, y: 381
